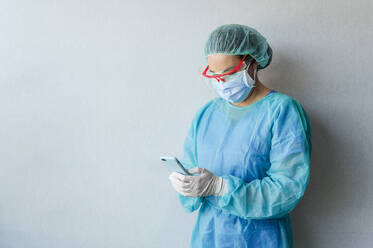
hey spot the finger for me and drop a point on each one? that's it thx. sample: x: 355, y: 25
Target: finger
x: 186, y: 186
x: 183, y: 185
x: 177, y: 186
x: 190, y: 194
x: 180, y: 184
x: 181, y: 190
x: 173, y: 179
x: 176, y: 174
x: 195, y: 170
x: 190, y: 178
x: 179, y: 176
x: 190, y: 189
x: 171, y: 176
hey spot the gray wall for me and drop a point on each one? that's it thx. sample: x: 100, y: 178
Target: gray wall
x: 93, y: 92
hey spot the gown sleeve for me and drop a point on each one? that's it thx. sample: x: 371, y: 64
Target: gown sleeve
x: 189, y: 160
x: 287, y: 178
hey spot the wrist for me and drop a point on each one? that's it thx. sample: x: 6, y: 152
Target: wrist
x: 221, y: 187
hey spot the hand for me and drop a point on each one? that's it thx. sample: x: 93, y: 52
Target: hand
x: 203, y: 184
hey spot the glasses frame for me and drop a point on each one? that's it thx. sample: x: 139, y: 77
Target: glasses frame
x: 218, y: 77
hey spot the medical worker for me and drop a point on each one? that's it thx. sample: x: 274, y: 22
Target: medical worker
x: 248, y: 150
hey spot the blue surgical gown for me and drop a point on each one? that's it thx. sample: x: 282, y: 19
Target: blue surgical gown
x: 263, y: 151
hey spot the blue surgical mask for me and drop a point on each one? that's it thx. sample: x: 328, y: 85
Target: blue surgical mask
x: 237, y: 87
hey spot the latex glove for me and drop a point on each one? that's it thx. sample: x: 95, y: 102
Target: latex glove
x: 203, y: 184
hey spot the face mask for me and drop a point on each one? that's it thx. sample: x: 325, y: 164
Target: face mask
x: 237, y: 87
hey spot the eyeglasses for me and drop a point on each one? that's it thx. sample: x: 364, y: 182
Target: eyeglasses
x: 220, y: 76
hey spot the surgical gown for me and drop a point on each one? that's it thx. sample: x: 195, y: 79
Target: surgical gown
x: 263, y: 151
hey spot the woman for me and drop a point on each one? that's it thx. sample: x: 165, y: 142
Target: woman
x: 249, y: 150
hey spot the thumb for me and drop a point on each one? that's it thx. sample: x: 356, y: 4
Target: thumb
x: 195, y: 170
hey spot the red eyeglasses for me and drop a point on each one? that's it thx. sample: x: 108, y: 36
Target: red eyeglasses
x: 219, y: 77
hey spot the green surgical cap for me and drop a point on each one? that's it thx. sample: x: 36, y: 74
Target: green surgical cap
x: 237, y: 39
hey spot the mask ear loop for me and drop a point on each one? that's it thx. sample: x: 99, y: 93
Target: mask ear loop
x: 256, y: 69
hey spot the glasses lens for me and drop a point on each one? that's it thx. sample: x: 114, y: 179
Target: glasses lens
x: 228, y: 76
x: 210, y: 73
x: 231, y: 76
x: 235, y: 74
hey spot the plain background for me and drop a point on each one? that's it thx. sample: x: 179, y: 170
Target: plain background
x: 92, y: 93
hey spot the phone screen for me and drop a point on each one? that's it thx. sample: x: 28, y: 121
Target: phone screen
x: 173, y: 164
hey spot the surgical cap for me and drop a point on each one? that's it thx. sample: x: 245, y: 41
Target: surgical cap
x: 237, y: 39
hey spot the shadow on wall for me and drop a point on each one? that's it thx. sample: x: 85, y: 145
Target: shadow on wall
x: 329, y: 194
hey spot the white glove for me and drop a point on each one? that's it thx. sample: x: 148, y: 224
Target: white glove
x: 204, y: 184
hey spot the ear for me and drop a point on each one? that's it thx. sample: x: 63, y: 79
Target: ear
x: 252, y: 69
x: 255, y: 65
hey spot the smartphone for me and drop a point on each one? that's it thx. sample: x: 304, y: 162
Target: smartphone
x: 173, y: 164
